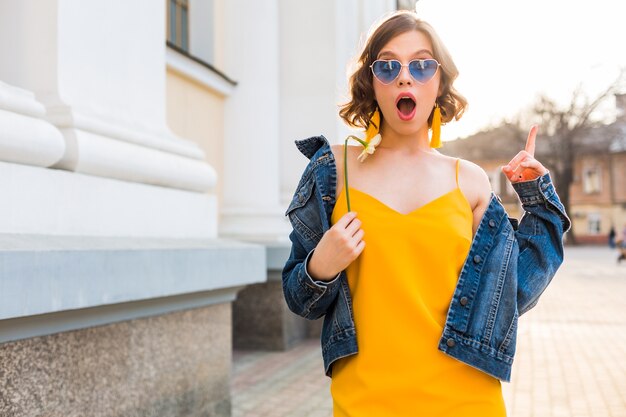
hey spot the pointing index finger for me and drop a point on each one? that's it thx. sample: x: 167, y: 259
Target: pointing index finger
x: 530, y: 142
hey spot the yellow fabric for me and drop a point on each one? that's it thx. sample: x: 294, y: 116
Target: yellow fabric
x: 401, y: 286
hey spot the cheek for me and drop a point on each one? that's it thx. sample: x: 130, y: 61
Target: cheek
x: 377, y: 92
x: 428, y: 95
x: 437, y: 87
x: 384, y: 98
x: 430, y: 92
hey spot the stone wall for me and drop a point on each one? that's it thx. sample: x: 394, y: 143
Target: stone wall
x: 175, y: 364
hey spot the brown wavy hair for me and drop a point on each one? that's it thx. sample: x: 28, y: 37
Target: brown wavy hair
x: 362, y: 104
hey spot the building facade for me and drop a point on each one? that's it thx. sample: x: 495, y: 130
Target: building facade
x: 146, y: 159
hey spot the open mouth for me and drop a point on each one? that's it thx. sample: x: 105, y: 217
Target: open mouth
x: 406, y: 105
x: 406, y: 108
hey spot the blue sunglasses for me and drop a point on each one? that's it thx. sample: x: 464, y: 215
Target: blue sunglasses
x: 422, y: 70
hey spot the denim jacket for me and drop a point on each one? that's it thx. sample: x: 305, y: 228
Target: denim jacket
x: 508, y: 266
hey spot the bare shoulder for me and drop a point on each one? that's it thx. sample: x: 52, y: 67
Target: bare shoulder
x: 474, y: 172
x: 338, y: 153
x: 338, y: 150
x: 475, y: 183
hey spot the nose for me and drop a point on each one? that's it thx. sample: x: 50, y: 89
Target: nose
x: 404, y: 78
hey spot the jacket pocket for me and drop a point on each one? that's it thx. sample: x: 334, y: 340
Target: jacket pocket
x: 302, y: 194
x: 303, y: 212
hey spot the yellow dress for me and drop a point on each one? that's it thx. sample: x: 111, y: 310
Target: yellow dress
x: 401, y: 286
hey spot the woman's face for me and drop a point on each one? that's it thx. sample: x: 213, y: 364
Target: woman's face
x: 409, y: 115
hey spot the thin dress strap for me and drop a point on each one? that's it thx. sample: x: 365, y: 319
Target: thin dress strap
x: 345, y: 173
x: 458, y: 160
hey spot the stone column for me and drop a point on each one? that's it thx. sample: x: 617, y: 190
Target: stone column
x: 251, y: 207
x: 319, y: 40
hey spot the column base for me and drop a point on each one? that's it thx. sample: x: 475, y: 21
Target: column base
x: 57, y: 202
x: 255, y: 225
x: 261, y: 318
x: 173, y: 365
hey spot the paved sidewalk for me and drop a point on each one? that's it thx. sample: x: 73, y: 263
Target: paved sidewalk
x: 570, y: 361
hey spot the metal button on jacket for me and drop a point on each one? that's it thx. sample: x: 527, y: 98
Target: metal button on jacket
x: 450, y: 342
x: 463, y: 301
x: 492, y: 222
x: 477, y: 259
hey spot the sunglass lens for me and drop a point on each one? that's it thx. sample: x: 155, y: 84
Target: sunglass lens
x: 423, y: 69
x: 386, y: 71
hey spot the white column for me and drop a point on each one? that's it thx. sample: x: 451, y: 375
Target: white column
x: 309, y: 87
x: 318, y: 42
x: 99, y: 69
x: 251, y: 207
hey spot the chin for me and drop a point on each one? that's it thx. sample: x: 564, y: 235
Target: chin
x: 407, y: 129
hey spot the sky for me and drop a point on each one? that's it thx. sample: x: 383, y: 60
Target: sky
x: 509, y: 52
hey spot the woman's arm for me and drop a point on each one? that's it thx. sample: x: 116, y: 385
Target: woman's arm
x: 541, y: 229
x: 540, y: 239
x: 312, y: 274
x: 477, y: 189
x: 305, y: 296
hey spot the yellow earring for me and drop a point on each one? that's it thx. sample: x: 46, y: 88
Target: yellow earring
x: 370, y: 142
x: 372, y: 136
x: 435, y: 141
x: 374, y: 125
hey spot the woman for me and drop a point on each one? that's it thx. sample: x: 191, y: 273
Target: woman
x: 423, y: 320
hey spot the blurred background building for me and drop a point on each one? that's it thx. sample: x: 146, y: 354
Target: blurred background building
x: 598, y: 189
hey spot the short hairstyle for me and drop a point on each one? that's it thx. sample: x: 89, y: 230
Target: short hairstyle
x: 358, y: 110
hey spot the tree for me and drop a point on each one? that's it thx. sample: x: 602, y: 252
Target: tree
x: 563, y: 129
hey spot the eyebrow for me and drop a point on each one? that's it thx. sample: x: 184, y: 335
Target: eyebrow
x: 391, y: 54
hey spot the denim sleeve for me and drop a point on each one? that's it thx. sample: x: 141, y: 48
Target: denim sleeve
x: 540, y: 238
x: 305, y: 296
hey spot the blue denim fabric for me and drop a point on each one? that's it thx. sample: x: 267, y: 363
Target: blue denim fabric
x: 508, y: 266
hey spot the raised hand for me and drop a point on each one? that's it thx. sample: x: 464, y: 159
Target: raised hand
x: 524, y: 166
